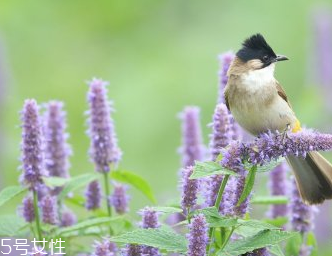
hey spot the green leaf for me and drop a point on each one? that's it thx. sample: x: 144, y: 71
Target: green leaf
x: 278, y: 222
x: 311, y: 241
x: 159, y: 238
x: 166, y: 209
x: 55, y: 181
x: 136, y: 181
x: 262, y: 239
x: 266, y: 167
x: 204, y: 169
x: 252, y: 227
x: 249, y: 183
x: 269, y: 200
x: 276, y: 250
x: 215, y: 220
x: 9, y: 193
x: 11, y: 225
x: 77, y: 182
x: 293, y: 245
x: 88, y: 223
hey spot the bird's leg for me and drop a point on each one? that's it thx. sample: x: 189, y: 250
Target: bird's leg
x: 284, y: 133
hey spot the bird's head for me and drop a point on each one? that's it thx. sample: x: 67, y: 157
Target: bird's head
x: 257, y: 53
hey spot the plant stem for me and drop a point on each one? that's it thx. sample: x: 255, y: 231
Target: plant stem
x: 107, y: 195
x: 36, y: 209
x: 217, y: 204
x: 221, y: 191
x: 227, y: 238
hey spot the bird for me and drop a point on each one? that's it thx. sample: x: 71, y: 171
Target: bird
x: 259, y: 104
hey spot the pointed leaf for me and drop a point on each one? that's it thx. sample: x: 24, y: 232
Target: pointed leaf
x: 215, y: 220
x: 276, y: 250
x: 269, y: 200
x: 205, y: 169
x: 159, y: 238
x: 266, y: 167
x: 55, y: 181
x: 136, y: 181
x: 252, y: 227
x: 9, y: 193
x: 166, y: 209
x: 262, y: 239
x: 88, y: 223
x: 293, y: 245
x: 278, y: 222
x: 249, y: 183
x: 11, y: 225
x: 77, y: 182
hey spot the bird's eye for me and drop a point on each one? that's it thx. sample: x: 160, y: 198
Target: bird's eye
x: 265, y: 57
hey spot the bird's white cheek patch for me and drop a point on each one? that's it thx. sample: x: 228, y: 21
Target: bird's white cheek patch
x: 255, y: 79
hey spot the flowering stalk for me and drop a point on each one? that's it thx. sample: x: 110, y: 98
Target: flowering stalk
x: 225, y: 61
x: 104, y: 149
x: 190, y: 189
x: 197, y: 237
x: 192, y: 146
x: 119, y: 199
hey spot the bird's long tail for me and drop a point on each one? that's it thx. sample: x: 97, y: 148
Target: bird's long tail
x: 313, y: 176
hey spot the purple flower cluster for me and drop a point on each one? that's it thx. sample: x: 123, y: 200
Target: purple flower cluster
x: 149, y: 220
x: 93, y: 195
x: 225, y: 61
x: 57, y: 149
x: 190, y: 188
x: 301, y: 215
x: 28, y: 210
x: 32, y: 146
x: 132, y: 250
x: 278, y: 185
x: 119, y: 199
x: 68, y: 218
x: 270, y: 146
x: 192, y: 148
x: 198, y: 236
x: 49, y: 210
x: 104, y: 149
x: 105, y: 248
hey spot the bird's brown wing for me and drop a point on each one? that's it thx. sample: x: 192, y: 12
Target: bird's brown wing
x: 226, y: 99
x: 282, y: 93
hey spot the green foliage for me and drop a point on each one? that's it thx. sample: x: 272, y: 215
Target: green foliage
x: 249, y: 184
x: 276, y: 250
x: 77, y: 182
x: 205, y: 169
x: 262, y: 239
x: 159, y: 238
x: 269, y: 200
x: 166, y: 209
x: 311, y: 242
x: 9, y: 193
x: 293, y: 245
x: 266, y: 167
x: 136, y: 181
x: 55, y: 181
x: 87, y: 224
x: 11, y: 226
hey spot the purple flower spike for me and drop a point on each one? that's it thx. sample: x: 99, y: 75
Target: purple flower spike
x: 192, y: 148
x: 57, y: 149
x: 68, y: 218
x: 149, y: 220
x: 222, y: 130
x: 105, y: 248
x: 132, y: 250
x: 271, y: 146
x: 104, y: 149
x: 225, y: 61
x: 278, y: 184
x: 198, y: 236
x: 93, y: 195
x: 28, y: 210
x: 49, y: 210
x: 189, y: 188
x: 31, y: 146
x: 119, y: 199
x: 301, y: 215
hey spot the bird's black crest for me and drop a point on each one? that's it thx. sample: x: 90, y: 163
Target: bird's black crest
x: 255, y: 47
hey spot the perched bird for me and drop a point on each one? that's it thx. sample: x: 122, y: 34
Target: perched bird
x: 259, y: 103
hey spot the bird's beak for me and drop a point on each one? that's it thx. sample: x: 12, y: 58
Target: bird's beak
x: 280, y: 58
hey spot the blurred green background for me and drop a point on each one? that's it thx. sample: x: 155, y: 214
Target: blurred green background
x: 158, y: 56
